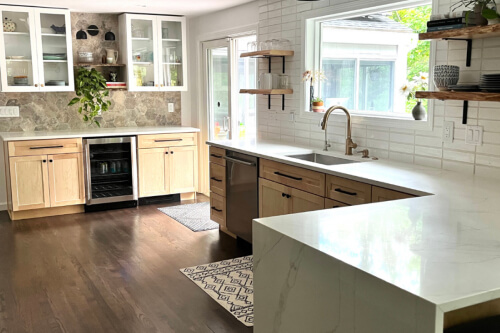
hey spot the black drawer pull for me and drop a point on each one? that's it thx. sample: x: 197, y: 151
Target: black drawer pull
x: 288, y: 196
x: 287, y: 176
x: 345, y: 192
x: 335, y: 206
x: 47, y: 147
x: 44, y: 161
x: 217, y: 210
x: 215, y: 179
x: 216, y: 156
x: 284, y: 195
x: 168, y: 140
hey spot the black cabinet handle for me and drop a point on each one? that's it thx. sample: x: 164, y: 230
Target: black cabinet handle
x: 215, y: 179
x: 47, y: 147
x: 51, y: 161
x: 171, y: 152
x: 216, y: 156
x: 335, y: 206
x: 345, y: 192
x: 287, y: 176
x: 288, y: 196
x: 166, y: 152
x: 44, y: 161
x: 168, y: 140
x: 283, y: 195
x: 217, y: 210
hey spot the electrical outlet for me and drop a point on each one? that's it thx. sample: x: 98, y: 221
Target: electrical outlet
x: 291, y: 116
x: 170, y: 107
x: 9, y: 111
x: 448, y: 131
x: 474, y: 135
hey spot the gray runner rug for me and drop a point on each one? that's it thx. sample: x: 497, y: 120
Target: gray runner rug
x: 194, y: 216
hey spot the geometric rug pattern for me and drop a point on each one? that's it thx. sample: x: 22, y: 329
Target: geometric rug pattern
x: 230, y: 283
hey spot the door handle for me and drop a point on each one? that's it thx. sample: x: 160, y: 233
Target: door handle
x: 47, y: 147
x: 235, y: 160
x: 217, y: 210
x: 216, y: 156
x: 345, y: 192
x: 169, y: 140
x: 215, y: 179
x: 287, y: 176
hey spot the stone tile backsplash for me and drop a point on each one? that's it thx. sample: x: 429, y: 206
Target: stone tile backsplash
x: 283, y: 19
x: 49, y: 111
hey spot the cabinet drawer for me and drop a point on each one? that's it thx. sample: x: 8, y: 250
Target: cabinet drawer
x: 166, y: 140
x: 348, y: 191
x: 218, y: 209
x: 329, y: 203
x: 45, y: 147
x: 218, y: 179
x: 302, y: 179
x: 217, y: 155
x: 380, y: 194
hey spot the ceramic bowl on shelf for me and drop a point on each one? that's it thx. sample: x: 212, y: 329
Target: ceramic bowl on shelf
x: 445, y: 76
x: 86, y: 57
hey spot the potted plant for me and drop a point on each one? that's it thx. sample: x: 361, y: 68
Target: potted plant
x: 318, y: 104
x: 91, y: 90
x: 483, y: 11
x: 409, y: 89
x: 314, y: 76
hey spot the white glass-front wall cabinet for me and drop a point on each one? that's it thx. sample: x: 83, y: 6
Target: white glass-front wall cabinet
x: 36, y: 55
x: 155, y: 51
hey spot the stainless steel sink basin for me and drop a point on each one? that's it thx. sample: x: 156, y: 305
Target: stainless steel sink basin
x: 321, y: 159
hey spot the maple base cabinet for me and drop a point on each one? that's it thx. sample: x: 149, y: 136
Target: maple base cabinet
x: 45, y: 181
x: 167, y: 164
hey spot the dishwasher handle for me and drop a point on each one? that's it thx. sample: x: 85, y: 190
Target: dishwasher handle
x: 235, y: 160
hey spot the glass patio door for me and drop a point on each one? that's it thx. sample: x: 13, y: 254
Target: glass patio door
x: 218, y: 89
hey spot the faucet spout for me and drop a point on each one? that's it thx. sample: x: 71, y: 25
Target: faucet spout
x: 349, y: 144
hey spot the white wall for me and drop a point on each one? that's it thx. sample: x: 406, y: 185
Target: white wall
x: 282, y: 19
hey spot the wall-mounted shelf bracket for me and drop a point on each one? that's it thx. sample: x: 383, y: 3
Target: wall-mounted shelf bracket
x: 465, y: 112
x: 469, y: 48
x: 282, y: 102
x: 269, y: 59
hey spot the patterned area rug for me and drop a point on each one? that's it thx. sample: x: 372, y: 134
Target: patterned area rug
x: 194, y: 216
x: 230, y: 283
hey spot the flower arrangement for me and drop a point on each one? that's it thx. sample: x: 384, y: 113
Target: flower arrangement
x: 419, y: 82
x: 314, y: 76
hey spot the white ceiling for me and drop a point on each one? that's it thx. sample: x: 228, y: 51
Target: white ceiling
x: 173, y: 7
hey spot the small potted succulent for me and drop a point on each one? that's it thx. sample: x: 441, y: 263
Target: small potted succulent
x: 318, y: 104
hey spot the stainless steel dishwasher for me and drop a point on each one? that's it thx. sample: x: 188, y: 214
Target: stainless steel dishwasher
x: 242, y: 193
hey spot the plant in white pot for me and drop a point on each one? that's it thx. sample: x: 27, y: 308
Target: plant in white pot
x: 420, y: 82
x: 482, y: 11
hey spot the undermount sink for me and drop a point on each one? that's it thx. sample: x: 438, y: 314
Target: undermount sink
x: 321, y: 159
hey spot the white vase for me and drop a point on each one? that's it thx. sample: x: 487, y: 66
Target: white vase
x: 418, y: 111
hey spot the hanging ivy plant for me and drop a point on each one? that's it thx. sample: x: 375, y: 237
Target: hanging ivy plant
x: 91, y: 91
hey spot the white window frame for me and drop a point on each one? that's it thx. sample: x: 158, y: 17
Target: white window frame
x: 311, y: 30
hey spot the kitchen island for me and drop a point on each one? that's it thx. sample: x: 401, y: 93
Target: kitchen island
x: 412, y: 265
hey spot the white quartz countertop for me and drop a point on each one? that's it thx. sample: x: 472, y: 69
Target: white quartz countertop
x: 444, y: 247
x: 94, y: 132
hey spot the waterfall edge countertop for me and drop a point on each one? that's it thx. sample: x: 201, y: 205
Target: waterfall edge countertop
x: 443, y: 247
x: 94, y: 132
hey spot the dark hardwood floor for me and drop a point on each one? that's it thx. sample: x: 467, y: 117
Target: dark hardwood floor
x: 112, y: 271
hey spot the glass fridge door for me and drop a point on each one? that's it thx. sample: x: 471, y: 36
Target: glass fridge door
x: 18, y: 50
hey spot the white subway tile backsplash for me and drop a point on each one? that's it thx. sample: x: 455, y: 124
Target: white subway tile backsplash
x: 283, y: 19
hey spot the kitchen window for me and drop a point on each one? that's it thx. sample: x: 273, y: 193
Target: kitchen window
x: 366, y: 59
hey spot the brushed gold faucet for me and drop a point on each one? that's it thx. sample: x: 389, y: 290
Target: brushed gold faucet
x: 349, y: 144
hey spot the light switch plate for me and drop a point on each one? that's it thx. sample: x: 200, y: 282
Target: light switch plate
x: 170, y: 107
x: 9, y: 111
x: 448, y: 131
x: 474, y: 135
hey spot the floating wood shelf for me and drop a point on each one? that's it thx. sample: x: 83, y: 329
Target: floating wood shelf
x: 486, y: 31
x: 459, y: 96
x: 267, y: 53
x: 86, y: 64
x: 267, y: 91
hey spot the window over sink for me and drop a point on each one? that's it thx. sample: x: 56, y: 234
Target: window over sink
x: 366, y: 57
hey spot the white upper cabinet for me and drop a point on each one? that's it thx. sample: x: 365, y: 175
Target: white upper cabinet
x: 35, y: 55
x: 154, y: 48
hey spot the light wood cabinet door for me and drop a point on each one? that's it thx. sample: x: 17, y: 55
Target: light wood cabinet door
x: 183, y: 169
x: 273, y: 199
x: 218, y: 179
x: 380, y: 194
x: 66, y: 182
x: 304, y: 202
x: 29, y: 180
x: 218, y: 209
x: 329, y: 203
x: 348, y: 191
x: 153, y: 172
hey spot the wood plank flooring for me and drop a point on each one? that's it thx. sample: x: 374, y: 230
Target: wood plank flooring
x: 112, y: 271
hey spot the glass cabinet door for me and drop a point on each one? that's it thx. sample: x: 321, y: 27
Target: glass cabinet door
x: 171, y: 50
x: 142, y: 38
x: 55, y: 57
x: 18, y: 50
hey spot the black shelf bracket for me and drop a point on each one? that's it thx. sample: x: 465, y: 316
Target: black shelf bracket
x: 469, y: 48
x: 269, y: 67
x: 465, y: 113
x: 282, y: 102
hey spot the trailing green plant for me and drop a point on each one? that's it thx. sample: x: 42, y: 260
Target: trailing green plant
x: 91, y: 90
x: 317, y: 100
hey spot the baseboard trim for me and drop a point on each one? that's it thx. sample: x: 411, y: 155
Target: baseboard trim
x: 45, y: 212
